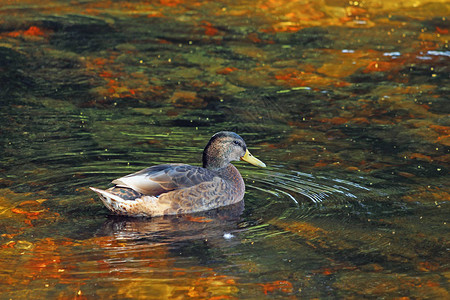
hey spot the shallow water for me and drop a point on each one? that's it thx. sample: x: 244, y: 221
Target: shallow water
x: 345, y: 101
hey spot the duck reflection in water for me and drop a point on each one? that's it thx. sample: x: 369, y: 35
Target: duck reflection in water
x: 215, y: 226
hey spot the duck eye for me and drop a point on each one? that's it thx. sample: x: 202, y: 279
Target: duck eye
x: 236, y: 143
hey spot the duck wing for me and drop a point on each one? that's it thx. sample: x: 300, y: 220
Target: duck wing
x: 164, y: 178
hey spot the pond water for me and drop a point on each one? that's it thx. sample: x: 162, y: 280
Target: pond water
x: 345, y: 101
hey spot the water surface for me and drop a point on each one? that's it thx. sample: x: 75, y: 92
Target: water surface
x: 345, y: 101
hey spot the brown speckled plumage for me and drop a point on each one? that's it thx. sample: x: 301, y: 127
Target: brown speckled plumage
x: 177, y: 188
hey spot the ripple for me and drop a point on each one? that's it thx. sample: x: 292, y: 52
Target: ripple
x: 298, y: 186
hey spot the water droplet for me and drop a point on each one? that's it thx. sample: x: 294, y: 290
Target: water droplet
x: 228, y: 236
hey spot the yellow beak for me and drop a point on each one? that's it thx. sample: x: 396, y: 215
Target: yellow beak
x: 248, y: 157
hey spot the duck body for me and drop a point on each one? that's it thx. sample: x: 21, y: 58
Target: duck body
x: 171, y: 189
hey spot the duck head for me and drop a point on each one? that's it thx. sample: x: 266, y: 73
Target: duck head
x: 225, y: 147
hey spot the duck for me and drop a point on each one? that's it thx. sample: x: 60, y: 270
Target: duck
x: 175, y: 189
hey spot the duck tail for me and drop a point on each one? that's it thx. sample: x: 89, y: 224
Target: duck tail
x: 113, y: 202
x: 141, y: 206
